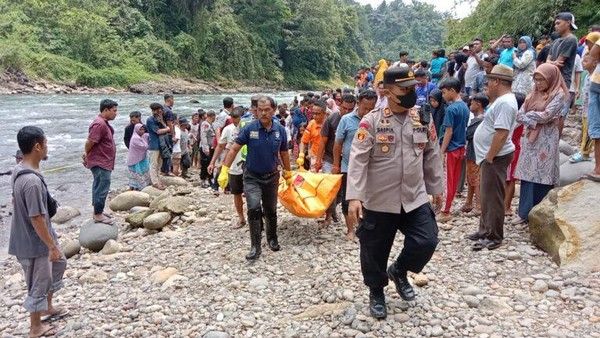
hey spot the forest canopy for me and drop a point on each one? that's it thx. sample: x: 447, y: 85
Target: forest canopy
x: 295, y: 43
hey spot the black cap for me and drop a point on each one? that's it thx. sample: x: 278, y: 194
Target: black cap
x: 183, y: 120
x: 401, y: 75
x: 567, y: 16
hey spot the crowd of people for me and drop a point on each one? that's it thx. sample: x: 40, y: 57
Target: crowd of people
x: 489, y: 116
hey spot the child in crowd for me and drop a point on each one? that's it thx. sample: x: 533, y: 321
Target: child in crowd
x: 478, y: 104
x: 587, y: 143
x: 176, y: 148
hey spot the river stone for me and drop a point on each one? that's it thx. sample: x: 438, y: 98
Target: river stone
x: 128, y: 200
x: 566, y: 148
x: 137, y: 219
x: 562, y: 159
x: 176, y: 204
x: 564, y: 226
x: 93, y: 276
x: 152, y: 191
x: 71, y: 248
x: 157, y: 221
x: 173, y: 181
x: 216, y: 334
x: 111, y: 247
x: 162, y: 276
x: 156, y: 203
x: 572, y: 172
x: 94, y: 235
x: 65, y: 214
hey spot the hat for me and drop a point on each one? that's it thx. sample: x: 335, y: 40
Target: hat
x: 501, y: 72
x: 567, y: 16
x: 466, y: 48
x: 401, y: 75
x: 19, y: 154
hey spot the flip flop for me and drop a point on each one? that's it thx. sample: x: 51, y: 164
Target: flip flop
x: 105, y: 221
x: 55, y: 316
x: 592, y: 177
x: 50, y: 331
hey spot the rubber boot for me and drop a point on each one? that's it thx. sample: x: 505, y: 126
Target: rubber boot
x: 271, y: 223
x: 255, y: 239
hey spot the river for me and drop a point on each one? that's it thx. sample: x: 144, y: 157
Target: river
x: 65, y: 120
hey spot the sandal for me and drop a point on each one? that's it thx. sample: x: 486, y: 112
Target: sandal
x: 238, y: 225
x: 49, y: 331
x: 104, y: 220
x: 61, y: 313
x: 592, y: 177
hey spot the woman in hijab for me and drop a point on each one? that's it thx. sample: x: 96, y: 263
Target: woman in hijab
x: 438, y: 109
x: 524, y: 66
x: 383, y: 66
x: 137, y: 161
x: 332, y: 107
x: 538, y: 167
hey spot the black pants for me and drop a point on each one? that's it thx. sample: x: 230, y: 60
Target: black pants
x: 261, y: 195
x: 204, y: 163
x: 166, y: 165
x: 376, y: 233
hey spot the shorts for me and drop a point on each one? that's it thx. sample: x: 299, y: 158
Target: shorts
x: 236, y: 184
x: 41, y: 277
x: 594, y: 116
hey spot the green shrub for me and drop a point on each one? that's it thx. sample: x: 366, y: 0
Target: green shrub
x: 114, y: 76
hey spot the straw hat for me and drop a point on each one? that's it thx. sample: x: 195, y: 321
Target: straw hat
x: 501, y: 72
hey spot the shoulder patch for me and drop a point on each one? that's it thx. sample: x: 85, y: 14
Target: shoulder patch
x: 364, y: 125
x: 361, y: 134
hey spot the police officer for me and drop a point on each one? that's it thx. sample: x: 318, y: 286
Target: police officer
x: 267, y: 143
x: 395, y: 164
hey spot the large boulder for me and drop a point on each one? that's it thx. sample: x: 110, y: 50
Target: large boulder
x: 157, y: 221
x: 137, y: 219
x: 157, y: 201
x: 94, y: 235
x: 65, y: 214
x: 173, y: 181
x: 70, y: 248
x: 176, y: 204
x: 566, y: 227
x: 152, y: 191
x: 562, y: 158
x: 566, y: 148
x: 572, y: 172
x: 128, y: 200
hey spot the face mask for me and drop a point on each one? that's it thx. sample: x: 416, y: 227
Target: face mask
x: 407, y: 101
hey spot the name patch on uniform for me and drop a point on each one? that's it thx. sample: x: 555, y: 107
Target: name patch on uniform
x: 361, y: 134
x: 385, y: 130
x: 254, y: 134
x: 384, y: 122
x: 277, y: 135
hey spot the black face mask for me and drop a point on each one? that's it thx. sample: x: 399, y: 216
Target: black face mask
x: 407, y: 101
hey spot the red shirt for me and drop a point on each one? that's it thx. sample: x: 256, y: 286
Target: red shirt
x: 104, y: 151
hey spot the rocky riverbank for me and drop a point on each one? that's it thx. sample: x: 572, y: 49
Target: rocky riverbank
x: 15, y: 82
x: 191, y: 279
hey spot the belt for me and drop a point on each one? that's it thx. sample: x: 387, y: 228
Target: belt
x: 261, y: 176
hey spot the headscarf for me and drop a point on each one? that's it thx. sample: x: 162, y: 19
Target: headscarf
x: 383, y: 66
x: 593, y: 37
x: 437, y: 114
x: 529, y: 46
x: 332, y: 106
x: 537, y: 100
x: 137, y: 146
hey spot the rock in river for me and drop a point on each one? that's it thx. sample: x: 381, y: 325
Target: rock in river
x: 157, y: 221
x: 128, y: 200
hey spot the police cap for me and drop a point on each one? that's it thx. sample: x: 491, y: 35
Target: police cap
x: 400, y: 75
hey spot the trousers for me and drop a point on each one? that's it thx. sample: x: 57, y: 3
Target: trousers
x: 42, y: 277
x: 155, y: 165
x: 261, y: 195
x: 376, y: 233
x: 493, y: 176
x: 454, y: 163
x: 100, y: 188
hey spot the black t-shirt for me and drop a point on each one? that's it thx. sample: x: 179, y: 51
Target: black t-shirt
x: 566, y: 47
x: 328, y: 130
x: 128, y: 134
x: 543, y: 55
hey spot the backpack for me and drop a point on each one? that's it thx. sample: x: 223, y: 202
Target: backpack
x: 52, y: 204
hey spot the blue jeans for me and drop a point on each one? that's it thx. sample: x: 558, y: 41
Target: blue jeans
x: 100, y: 188
x: 594, y: 116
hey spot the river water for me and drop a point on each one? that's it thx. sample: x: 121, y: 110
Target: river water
x: 65, y: 120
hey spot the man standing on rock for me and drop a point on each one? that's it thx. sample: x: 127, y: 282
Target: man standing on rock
x: 267, y: 143
x: 99, y: 157
x: 156, y: 127
x: 169, y: 119
x: 32, y: 239
x: 395, y: 164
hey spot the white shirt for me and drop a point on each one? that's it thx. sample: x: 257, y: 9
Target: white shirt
x: 502, y: 114
x: 228, y: 136
x: 220, y: 120
x: 177, y: 146
x: 577, y: 68
x: 473, y: 69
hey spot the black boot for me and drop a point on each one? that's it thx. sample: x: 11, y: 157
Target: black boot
x: 399, y: 278
x: 272, y: 233
x: 255, y: 239
x: 377, y: 305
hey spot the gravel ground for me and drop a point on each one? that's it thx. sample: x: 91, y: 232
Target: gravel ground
x: 192, y: 279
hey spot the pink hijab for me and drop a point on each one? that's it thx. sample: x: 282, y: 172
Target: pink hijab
x: 137, y: 146
x: 332, y: 105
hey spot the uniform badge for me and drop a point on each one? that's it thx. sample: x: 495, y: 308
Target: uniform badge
x: 416, y: 119
x: 277, y: 135
x: 385, y: 148
x: 254, y: 134
x: 361, y: 134
x: 384, y: 122
x: 387, y: 112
